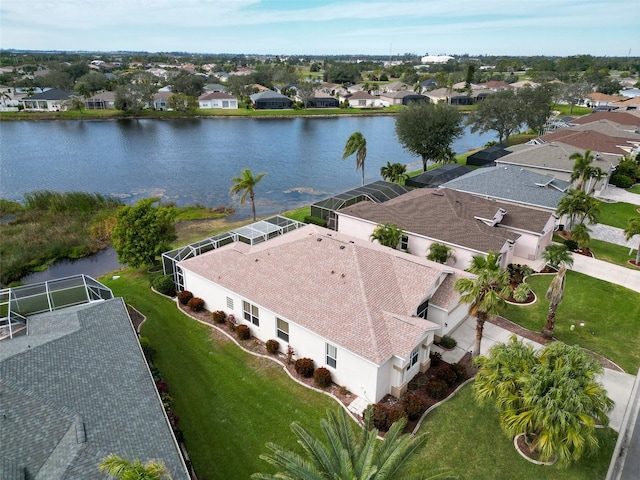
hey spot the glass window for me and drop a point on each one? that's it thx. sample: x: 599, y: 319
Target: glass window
x: 332, y: 355
x: 413, y: 359
x: 282, y: 329
x: 422, y: 309
x: 251, y: 313
x: 404, y: 242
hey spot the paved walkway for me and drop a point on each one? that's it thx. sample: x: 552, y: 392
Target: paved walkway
x: 626, y: 277
x: 616, y: 194
x: 614, y: 235
x: 619, y: 385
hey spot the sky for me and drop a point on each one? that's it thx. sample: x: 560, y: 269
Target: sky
x: 326, y: 27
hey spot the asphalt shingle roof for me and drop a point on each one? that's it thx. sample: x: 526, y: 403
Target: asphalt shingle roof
x: 76, y: 389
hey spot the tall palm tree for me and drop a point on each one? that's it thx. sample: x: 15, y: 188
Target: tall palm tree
x: 485, y: 293
x: 123, y: 469
x: 595, y: 174
x: 557, y: 254
x: 580, y: 234
x: 345, y: 454
x: 555, y: 294
x: 632, y: 229
x: 394, y: 172
x: 577, y: 205
x: 357, y: 144
x: 581, y: 168
x: 246, y: 184
x: 387, y: 234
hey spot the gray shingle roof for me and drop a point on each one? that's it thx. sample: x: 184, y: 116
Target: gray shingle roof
x: 512, y: 184
x: 76, y: 389
x: 52, y: 94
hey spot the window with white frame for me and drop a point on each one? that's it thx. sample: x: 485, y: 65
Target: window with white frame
x: 332, y: 355
x: 413, y: 359
x: 251, y: 313
x: 282, y: 329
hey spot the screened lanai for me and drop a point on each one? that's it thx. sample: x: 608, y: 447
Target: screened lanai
x: 378, y: 192
x: 252, y: 234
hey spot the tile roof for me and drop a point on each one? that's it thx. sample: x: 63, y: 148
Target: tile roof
x: 512, y: 184
x: 552, y: 156
x: 76, y: 389
x: 356, y: 294
x: 361, y: 96
x: 216, y: 96
x: 621, y: 118
x: 590, y: 140
x: 450, y: 216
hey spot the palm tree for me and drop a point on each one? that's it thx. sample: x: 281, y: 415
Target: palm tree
x: 4, y: 96
x: 555, y: 294
x: 557, y: 254
x: 576, y: 204
x: 633, y: 228
x: 357, y: 144
x: 394, y: 172
x: 387, y: 234
x: 440, y: 253
x: 581, y: 168
x: 121, y: 468
x: 580, y: 234
x: 246, y: 184
x: 485, y: 293
x: 595, y: 173
x: 345, y: 454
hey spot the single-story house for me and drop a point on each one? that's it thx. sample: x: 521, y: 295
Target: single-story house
x: 101, y: 101
x: 595, y: 141
x: 439, y: 95
x: 270, y: 100
x: 366, y: 312
x: 512, y: 185
x: 621, y: 118
x: 76, y: 387
x: 218, y: 100
x: 437, y: 176
x: 161, y: 100
x: 403, y: 97
x: 487, y: 156
x: 469, y: 224
x: 362, y: 100
x: 323, y: 100
x: 52, y: 100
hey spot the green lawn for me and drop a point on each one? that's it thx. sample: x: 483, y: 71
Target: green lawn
x: 609, y: 312
x: 612, y: 253
x: 634, y: 189
x: 617, y: 214
x: 467, y: 439
x: 230, y: 403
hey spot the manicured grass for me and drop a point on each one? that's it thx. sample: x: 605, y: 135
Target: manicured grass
x: 612, y: 253
x: 466, y: 438
x: 634, y: 189
x: 577, y: 111
x: 230, y: 403
x: 617, y: 214
x: 609, y: 312
x: 298, y: 214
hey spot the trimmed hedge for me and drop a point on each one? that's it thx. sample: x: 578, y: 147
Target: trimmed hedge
x: 436, y: 358
x: 322, y: 377
x: 273, y: 346
x: 304, y: 367
x: 436, y: 389
x: 196, y: 304
x: 164, y: 285
x: 315, y: 220
x: 219, y: 316
x: 413, y: 405
x: 184, y: 297
x: 243, y: 332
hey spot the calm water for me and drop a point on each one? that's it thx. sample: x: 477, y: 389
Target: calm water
x: 192, y: 161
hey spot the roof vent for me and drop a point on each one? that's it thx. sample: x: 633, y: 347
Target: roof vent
x: 318, y: 239
x: 341, y: 247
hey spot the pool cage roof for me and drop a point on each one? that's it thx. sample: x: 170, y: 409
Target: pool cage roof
x: 252, y: 234
x: 378, y: 192
x: 19, y: 302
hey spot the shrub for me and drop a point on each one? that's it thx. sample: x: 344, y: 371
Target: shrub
x: 304, y: 367
x: 315, y: 221
x: 436, y: 389
x: 436, y: 358
x: 380, y: 416
x: 243, y: 332
x: 196, y: 304
x: 413, y: 405
x: 219, y: 316
x: 460, y: 371
x: 394, y: 413
x: 147, y: 349
x: 447, y: 375
x: 184, y: 297
x: 231, y: 321
x: 273, y: 346
x: 290, y: 354
x: 571, y: 244
x: 322, y: 377
x: 448, y: 342
x: 621, y: 181
x: 164, y: 285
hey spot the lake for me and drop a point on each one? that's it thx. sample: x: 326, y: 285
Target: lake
x: 192, y: 161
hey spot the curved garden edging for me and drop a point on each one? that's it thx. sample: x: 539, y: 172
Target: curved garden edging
x: 525, y: 456
x: 433, y: 407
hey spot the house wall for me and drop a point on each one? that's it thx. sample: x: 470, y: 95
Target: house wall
x: 448, y: 320
x: 358, y: 375
x: 531, y: 245
x: 219, y: 103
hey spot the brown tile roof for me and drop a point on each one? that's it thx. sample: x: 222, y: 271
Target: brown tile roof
x: 450, y: 216
x: 621, y: 118
x: 602, y: 97
x: 590, y: 140
x: 216, y: 96
x: 361, y: 96
x: 357, y: 294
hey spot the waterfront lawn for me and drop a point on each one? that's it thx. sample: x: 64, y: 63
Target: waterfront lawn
x: 466, y: 439
x: 230, y: 403
x: 609, y: 313
x: 617, y: 214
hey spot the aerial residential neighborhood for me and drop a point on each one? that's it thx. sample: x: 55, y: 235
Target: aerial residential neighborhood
x: 250, y: 265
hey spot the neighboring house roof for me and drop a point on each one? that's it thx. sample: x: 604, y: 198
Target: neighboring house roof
x: 451, y: 217
x: 361, y: 96
x: 550, y: 156
x: 591, y: 140
x: 602, y: 97
x: 215, y: 87
x: 524, y: 83
x: 621, y: 118
x: 495, y: 85
x: 402, y: 94
x: 164, y: 95
x: 512, y: 184
x: 268, y: 94
x: 352, y: 292
x: 487, y: 156
x: 395, y: 87
x: 51, y: 94
x: 76, y: 389
x: 607, y: 127
x: 105, y: 96
x: 216, y: 96
x: 437, y: 176
x: 439, y: 93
